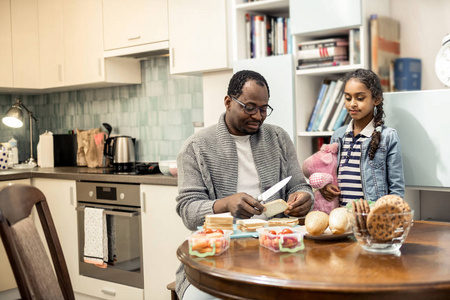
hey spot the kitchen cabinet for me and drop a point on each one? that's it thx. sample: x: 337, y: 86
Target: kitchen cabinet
x: 83, y: 48
x: 51, y: 46
x: 163, y: 231
x: 135, y: 26
x: 58, y: 46
x: 60, y: 195
x: 320, y: 15
x: 7, y: 282
x: 198, y: 36
x: 6, y: 73
x: 25, y: 43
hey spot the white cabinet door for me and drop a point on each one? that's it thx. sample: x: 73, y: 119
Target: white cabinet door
x: 132, y: 23
x: 51, y: 43
x: 25, y: 43
x: 313, y: 16
x: 7, y: 282
x: 83, y: 43
x: 61, y: 199
x: 198, y: 35
x: 162, y: 231
x: 6, y: 73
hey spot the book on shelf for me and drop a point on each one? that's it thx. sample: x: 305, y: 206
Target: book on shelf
x: 384, y: 47
x: 354, y: 47
x: 322, y: 65
x: 331, y: 42
x: 332, y: 103
x: 265, y: 35
x: 322, y: 52
x: 336, y: 111
x: 317, y: 105
x: 280, y: 36
x: 323, y: 59
x: 340, y: 119
x: 324, y: 105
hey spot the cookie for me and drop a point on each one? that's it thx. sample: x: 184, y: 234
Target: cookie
x: 355, y: 210
x: 381, y: 223
x: 362, y: 219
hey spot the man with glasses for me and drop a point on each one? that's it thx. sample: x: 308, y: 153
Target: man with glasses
x: 224, y: 167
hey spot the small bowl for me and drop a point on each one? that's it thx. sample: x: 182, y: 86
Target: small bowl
x: 164, y: 166
x: 381, y: 233
x: 173, y: 170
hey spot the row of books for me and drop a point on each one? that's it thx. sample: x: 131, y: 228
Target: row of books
x: 334, y: 51
x: 329, y: 111
x: 267, y: 35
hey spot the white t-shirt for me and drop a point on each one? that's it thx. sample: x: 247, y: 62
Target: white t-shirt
x: 248, y: 179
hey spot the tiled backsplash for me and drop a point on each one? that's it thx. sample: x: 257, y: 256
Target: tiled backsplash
x: 158, y: 113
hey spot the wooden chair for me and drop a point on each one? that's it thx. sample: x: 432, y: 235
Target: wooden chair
x: 173, y: 293
x: 29, y: 261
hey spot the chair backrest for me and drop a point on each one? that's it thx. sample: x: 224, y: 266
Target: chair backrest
x: 34, y: 274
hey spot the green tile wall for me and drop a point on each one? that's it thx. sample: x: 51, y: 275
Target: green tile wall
x: 158, y: 113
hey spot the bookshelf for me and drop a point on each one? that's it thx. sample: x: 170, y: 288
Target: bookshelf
x: 278, y: 8
x: 339, y: 18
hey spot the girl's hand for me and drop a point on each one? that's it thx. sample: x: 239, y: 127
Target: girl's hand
x: 330, y: 191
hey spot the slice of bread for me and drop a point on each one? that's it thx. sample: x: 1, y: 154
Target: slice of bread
x: 219, y: 221
x: 283, y: 222
x: 275, y: 207
x: 250, y: 225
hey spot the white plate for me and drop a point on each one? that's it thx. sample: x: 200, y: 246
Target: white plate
x: 326, y: 235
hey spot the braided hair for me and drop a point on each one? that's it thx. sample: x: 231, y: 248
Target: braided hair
x: 240, y: 78
x: 372, y: 82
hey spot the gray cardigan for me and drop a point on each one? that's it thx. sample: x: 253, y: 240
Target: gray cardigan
x: 208, y: 171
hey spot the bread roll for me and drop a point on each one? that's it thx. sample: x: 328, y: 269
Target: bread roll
x: 316, y: 222
x: 338, y: 220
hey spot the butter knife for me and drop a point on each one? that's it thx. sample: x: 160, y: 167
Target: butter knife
x: 271, y: 191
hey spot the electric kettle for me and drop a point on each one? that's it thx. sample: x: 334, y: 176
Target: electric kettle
x: 121, y: 151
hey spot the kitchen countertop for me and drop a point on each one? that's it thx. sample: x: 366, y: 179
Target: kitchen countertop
x: 86, y: 174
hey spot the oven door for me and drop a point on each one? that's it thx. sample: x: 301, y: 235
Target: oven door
x: 127, y: 268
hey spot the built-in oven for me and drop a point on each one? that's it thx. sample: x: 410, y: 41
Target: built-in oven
x: 120, y: 204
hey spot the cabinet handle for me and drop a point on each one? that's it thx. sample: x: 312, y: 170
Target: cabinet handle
x: 60, y: 72
x: 173, y: 57
x: 144, y: 203
x: 100, y: 66
x: 134, y: 38
x: 109, y: 292
x: 114, y: 212
x: 72, y: 202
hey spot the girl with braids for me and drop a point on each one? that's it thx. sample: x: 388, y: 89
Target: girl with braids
x: 370, y: 156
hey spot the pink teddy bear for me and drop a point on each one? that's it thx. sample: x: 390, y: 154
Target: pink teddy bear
x: 321, y: 169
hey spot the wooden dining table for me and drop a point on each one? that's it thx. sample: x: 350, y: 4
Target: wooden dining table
x: 328, y: 269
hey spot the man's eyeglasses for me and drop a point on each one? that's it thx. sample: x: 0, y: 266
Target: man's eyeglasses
x: 265, y: 110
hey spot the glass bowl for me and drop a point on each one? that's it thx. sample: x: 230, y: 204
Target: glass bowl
x: 383, y: 232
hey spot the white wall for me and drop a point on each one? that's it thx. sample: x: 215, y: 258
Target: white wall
x: 423, y: 25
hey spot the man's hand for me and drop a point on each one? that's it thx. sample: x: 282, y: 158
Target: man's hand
x: 299, y: 204
x: 330, y: 191
x: 240, y: 205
